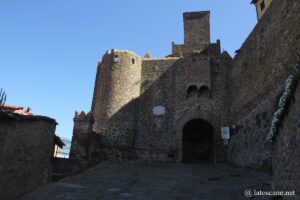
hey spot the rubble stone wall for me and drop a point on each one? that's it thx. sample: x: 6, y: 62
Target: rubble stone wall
x: 286, y: 150
x: 259, y: 71
x: 27, y: 145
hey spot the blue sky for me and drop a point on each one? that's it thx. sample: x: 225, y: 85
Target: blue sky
x: 49, y: 49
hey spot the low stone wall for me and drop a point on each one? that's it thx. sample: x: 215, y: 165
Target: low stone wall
x: 26, y: 149
x: 286, y: 150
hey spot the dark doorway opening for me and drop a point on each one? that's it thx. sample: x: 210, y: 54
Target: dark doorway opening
x: 197, y: 141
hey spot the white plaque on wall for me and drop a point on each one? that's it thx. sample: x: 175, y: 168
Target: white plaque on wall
x: 159, y: 110
x: 225, y: 133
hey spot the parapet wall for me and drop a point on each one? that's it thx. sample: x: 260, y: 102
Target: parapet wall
x: 183, y: 50
x: 260, y: 69
x: 165, y: 86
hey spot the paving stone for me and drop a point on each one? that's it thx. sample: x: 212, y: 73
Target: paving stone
x: 122, y: 180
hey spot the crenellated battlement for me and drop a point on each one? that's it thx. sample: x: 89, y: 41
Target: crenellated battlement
x: 82, y: 115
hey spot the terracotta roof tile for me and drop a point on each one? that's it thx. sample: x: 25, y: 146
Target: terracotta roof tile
x: 16, y: 109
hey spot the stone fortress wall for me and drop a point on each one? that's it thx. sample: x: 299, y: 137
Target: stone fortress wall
x: 165, y: 82
x: 286, y: 150
x: 256, y: 80
x: 256, y: 83
x: 198, y: 81
x: 128, y: 89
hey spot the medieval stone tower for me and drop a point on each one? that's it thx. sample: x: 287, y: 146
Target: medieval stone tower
x: 174, y: 108
x: 166, y: 109
x: 117, y: 84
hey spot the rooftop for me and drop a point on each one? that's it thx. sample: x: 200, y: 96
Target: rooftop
x: 16, y: 109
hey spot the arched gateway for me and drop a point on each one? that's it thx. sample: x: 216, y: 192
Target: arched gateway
x: 195, y: 132
x: 197, y: 141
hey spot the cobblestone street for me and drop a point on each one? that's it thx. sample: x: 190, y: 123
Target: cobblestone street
x: 161, y: 181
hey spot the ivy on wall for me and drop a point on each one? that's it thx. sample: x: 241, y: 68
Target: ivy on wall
x: 290, y: 86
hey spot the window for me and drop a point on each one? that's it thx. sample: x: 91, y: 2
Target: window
x: 116, y: 58
x: 191, y: 91
x: 262, y: 5
x: 204, y: 91
x: 133, y: 61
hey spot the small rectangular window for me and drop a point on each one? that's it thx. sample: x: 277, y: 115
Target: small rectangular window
x: 116, y: 59
x: 262, y: 5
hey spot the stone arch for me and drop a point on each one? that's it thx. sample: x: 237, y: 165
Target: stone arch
x: 181, y: 122
x: 191, y: 91
x: 204, y: 91
x: 197, y: 141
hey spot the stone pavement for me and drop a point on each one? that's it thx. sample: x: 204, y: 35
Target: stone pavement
x: 150, y: 181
